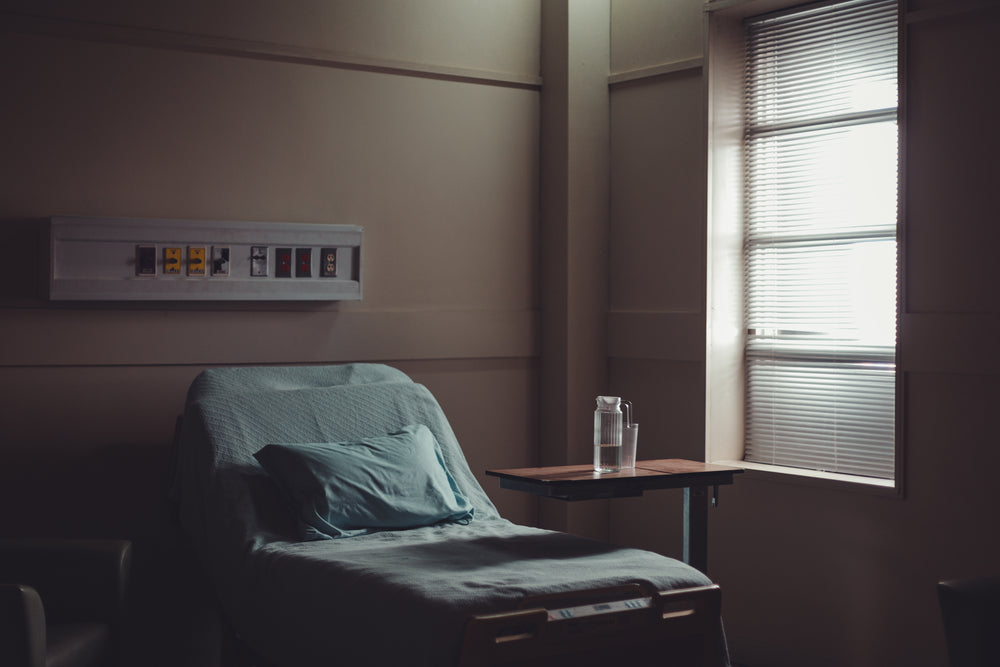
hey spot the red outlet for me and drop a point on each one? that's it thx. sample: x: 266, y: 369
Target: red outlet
x: 283, y: 262
x: 303, y: 262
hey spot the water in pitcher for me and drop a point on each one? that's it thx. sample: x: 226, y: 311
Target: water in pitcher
x: 608, y: 434
x: 608, y: 458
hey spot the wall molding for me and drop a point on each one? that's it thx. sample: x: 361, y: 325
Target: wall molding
x: 941, y: 11
x: 241, y: 48
x: 692, y: 65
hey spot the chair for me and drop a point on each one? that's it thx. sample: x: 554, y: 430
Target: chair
x: 62, y: 601
x: 970, y: 609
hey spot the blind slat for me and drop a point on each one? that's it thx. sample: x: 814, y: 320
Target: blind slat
x: 820, y: 160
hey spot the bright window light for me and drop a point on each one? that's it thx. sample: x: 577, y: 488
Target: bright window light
x: 820, y: 163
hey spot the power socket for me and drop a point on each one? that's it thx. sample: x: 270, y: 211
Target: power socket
x: 258, y: 261
x: 172, y: 261
x: 328, y: 262
x: 196, y: 260
x: 220, y: 260
x: 145, y: 260
x: 303, y: 262
x: 283, y: 263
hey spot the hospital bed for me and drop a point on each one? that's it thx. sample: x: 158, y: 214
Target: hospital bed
x: 335, y: 514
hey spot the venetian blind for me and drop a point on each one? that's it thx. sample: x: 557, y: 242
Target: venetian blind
x: 821, y: 153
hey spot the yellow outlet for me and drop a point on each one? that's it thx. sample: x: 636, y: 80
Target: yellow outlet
x: 196, y: 260
x: 171, y: 260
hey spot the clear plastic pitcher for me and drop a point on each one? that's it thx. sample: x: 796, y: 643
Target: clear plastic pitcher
x: 608, y: 434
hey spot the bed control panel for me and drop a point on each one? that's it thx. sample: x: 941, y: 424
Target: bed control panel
x: 612, y: 607
x: 132, y: 259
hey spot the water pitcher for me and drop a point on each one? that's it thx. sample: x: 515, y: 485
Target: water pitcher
x: 608, y: 434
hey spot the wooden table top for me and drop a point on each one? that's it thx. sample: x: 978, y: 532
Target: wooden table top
x: 581, y: 472
x: 580, y: 482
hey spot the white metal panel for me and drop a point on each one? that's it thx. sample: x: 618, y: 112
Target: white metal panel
x: 94, y: 259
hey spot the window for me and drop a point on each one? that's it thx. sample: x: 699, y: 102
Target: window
x: 819, y: 148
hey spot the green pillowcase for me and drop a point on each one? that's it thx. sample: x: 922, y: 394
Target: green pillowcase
x: 389, y: 482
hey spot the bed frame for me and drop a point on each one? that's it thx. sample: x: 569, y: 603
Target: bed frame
x: 600, y: 627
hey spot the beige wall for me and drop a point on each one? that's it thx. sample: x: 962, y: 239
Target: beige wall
x: 812, y: 574
x: 418, y: 121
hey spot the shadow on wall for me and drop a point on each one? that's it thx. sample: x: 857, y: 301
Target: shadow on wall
x: 23, y: 273
x: 121, y: 492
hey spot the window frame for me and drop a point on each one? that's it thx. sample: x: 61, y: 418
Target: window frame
x: 725, y: 332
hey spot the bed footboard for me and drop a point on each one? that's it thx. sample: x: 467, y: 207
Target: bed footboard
x: 679, y: 628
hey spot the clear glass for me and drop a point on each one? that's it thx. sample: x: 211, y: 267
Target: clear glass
x: 608, y: 434
x: 630, y: 437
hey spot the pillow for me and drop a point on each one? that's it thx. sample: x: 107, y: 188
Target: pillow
x: 344, y: 489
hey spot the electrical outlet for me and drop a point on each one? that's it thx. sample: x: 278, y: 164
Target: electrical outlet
x: 303, y: 262
x: 258, y: 261
x: 328, y: 262
x: 171, y: 261
x: 220, y: 260
x: 283, y: 263
x: 145, y: 260
x: 196, y: 260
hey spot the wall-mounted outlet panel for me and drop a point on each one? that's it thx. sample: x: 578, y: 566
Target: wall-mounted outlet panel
x: 133, y: 259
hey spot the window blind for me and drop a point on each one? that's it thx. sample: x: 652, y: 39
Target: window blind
x: 821, y: 154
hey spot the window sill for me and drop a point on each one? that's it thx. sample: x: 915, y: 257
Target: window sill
x: 818, y: 478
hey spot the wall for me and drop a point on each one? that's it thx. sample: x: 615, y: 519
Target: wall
x: 419, y: 122
x: 574, y: 245
x: 814, y: 574
x: 656, y: 320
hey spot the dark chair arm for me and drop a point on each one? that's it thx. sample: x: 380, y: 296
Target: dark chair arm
x: 970, y: 609
x: 78, y: 580
x: 22, y: 626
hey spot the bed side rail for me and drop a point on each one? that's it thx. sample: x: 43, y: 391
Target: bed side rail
x: 680, y: 628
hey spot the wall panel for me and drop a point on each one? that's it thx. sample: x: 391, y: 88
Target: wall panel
x: 658, y: 159
x: 951, y: 237
x: 650, y: 33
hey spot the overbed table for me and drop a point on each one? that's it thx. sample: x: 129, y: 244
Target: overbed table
x: 580, y: 482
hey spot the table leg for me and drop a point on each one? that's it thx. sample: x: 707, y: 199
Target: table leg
x: 696, y: 527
